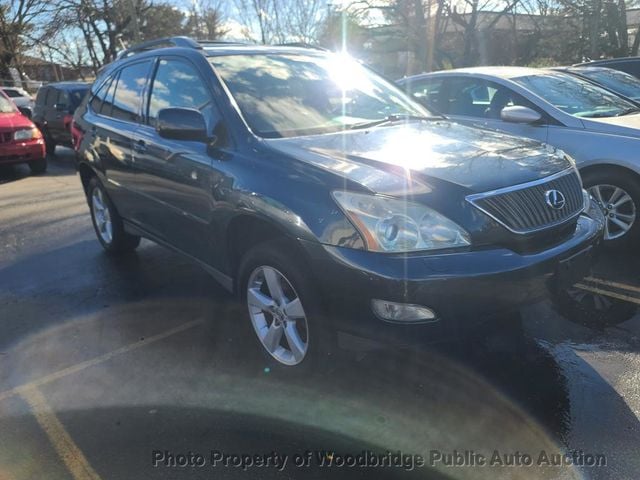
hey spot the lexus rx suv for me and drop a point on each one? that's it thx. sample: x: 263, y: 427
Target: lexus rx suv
x: 326, y: 198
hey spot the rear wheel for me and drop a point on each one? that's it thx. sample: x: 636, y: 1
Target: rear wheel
x: 49, y: 143
x: 618, y: 196
x: 38, y: 166
x: 107, y: 223
x: 283, y: 307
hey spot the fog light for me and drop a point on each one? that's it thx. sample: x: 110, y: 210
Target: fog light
x: 402, y: 312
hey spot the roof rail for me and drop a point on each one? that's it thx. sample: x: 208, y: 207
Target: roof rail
x: 302, y: 45
x: 185, y: 42
x: 222, y: 43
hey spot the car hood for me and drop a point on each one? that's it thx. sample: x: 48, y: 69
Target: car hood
x: 627, y: 125
x: 14, y: 120
x: 403, y: 158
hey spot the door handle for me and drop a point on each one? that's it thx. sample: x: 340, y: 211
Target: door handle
x: 140, y: 146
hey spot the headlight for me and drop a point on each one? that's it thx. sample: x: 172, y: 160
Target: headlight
x: 397, y: 226
x: 26, y: 134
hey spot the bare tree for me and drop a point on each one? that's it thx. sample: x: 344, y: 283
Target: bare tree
x: 23, y: 23
x: 282, y: 21
x: 205, y: 20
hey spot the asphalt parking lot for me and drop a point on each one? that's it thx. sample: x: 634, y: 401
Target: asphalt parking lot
x: 106, y: 365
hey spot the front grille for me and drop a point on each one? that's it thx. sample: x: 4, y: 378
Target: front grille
x: 524, y: 208
x: 6, y: 137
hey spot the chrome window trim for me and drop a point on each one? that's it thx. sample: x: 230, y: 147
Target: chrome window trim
x: 522, y: 186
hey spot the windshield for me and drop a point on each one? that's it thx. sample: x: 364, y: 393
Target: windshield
x: 301, y: 94
x: 6, y: 105
x: 575, y: 96
x: 620, y: 82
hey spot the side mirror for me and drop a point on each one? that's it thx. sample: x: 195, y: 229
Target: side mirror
x: 26, y: 111
x: 518, y: 114
x: 60, y: 107
x: 181, y: 124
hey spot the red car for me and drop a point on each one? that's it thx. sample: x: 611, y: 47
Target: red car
x: 20, y: 139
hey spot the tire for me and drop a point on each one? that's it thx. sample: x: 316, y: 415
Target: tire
x: 277, y: 261
x: 50, y: 144
x: 625, y: 192
x: 38, y: 166
x: 592, y: 310
x: 107, y: 223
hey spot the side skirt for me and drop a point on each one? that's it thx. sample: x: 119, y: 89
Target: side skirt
x: 225, y: 280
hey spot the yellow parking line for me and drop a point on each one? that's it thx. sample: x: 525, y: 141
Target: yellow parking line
x: 623, y: 286
x: 100, y: 359
x: 67, y: 450
x: 607, y: 293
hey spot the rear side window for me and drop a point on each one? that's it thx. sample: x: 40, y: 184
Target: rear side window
x: 52, y: 97
x: 177, y: 84
x: 12, y: 93
x: 41, y: 96
x: 129, y: 91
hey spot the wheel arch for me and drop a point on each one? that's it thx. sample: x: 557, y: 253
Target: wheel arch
x: 609, y: 166
x: 245, y: 231
x: 86, y: 174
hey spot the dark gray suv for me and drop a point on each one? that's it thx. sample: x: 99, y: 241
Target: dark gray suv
x: 322, y: 195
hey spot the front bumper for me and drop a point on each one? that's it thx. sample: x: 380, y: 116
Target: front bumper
x: 22, y: 152
x: 463, y: 288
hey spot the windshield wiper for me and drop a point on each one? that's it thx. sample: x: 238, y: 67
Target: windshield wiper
x: 394, y: 118
x: 628, y: 111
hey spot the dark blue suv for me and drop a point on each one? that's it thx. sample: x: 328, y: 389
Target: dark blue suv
x: 321, y: 194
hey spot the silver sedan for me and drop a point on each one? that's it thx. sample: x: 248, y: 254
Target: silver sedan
x: 596, y: 127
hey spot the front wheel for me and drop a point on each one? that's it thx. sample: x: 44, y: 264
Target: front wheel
x: 618, y: 196
x: 107, y: 223
x: 283, y: 307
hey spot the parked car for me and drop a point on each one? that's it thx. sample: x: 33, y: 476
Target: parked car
x: 323, y: 196
x: 53, y: 111
x: 630, y: 65
x: 21, y: 98
x: 618, y: 82
x: 20, y: 140
x: 598, y: 128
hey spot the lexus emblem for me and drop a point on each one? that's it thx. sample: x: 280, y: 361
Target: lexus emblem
x: 555, y: 199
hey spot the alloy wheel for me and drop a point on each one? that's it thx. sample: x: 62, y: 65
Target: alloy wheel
x: 618, y: 208
x: 102, y: 216
x: 277, y: 315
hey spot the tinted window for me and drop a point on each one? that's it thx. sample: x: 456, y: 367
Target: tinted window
x: 177, y: 84
x: 75, y: 97
x: 52, y: 97
x: 107, y: 102
x: 428, y: 92
x: 12, y: 93
x: 98, y: 98
x: 129, y: 90
x: 576, y: 96
x: 41, y: 97
x: 479, y: 98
